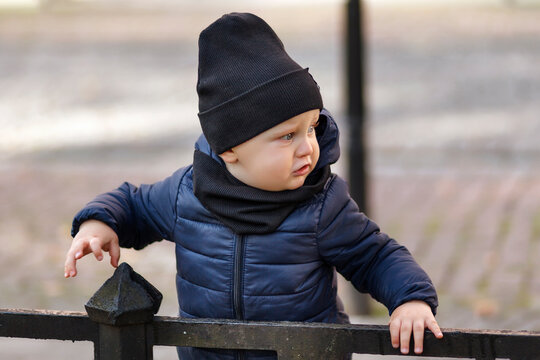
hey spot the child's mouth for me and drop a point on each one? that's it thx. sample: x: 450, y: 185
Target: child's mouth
x: 302, y: 171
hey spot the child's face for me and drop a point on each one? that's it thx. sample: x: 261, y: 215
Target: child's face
x: 280, y: 158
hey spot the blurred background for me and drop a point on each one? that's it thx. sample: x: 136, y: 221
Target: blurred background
x: 96, y: 92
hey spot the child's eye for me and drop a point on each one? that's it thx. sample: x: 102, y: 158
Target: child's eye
x: 287, y: 137
x: 311, y: 129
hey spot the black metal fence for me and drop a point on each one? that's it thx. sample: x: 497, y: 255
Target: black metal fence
x: 120, y: 322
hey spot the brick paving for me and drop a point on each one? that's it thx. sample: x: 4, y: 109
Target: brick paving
x: 479, y: 244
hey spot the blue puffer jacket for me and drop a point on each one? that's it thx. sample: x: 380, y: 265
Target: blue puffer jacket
x: 285, y: 275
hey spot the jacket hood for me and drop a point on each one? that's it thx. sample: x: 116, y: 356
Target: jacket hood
x: 327, y: 136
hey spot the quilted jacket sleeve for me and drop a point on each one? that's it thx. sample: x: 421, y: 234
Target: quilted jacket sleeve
x: 139, y: 215
x: 372, y: 261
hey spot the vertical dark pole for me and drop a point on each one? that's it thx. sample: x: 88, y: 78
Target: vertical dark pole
x: 356, y: 109
x: 356, y: 114
x: 130, y: 342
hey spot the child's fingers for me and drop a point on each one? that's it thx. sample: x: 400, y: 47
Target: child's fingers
x: 395, y: 326
x: 79, y: 248
x: 70, y: 266
x: 418, y: 333
x: 405, y: 335
x: 434, y: 327
x: 70, y: 269
x: 95, y: 246
x: 114, y: 252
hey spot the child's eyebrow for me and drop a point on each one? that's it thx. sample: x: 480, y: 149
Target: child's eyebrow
x: 285, y: 128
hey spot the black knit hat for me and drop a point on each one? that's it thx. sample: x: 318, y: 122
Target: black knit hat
x: 247, y: 82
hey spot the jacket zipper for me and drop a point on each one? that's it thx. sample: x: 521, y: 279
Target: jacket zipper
x: 238, y: 284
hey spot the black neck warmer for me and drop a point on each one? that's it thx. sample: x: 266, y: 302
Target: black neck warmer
x: 245, y: 209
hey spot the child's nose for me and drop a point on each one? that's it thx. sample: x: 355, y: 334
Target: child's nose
x: 305, y: 148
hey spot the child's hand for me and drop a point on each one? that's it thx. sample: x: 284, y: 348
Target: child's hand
x: 93, y: 237
x: 413, y: 316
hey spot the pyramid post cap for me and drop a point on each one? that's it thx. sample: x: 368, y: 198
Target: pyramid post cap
x: 125, y: 298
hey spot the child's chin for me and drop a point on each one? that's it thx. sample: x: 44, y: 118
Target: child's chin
x: 296, y: 184
x: 289, y: 184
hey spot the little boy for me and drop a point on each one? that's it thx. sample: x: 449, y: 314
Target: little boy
x: 259, y: 221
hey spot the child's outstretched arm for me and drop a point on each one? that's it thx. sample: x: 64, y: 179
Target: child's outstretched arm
x: 94, y: 237
x: 412, y: 317
x: 378, y: 265
x: 129, y: 217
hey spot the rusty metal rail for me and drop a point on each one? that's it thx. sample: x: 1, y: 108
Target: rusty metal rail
x: 122, y: 325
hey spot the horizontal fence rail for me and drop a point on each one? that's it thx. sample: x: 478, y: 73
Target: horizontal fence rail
x: 327, y: 341
x: 46, y: 324
x: 290, y: 340
x: 124, y: 327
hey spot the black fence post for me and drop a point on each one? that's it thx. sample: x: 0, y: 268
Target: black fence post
x: 124, y: 308
x: 355, y: 102
x: 356, y: 114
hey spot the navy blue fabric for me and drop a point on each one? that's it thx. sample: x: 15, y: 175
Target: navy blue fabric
x: 286, y: 275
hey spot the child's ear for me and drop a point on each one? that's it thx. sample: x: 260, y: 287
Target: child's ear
x: 229, y: 157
